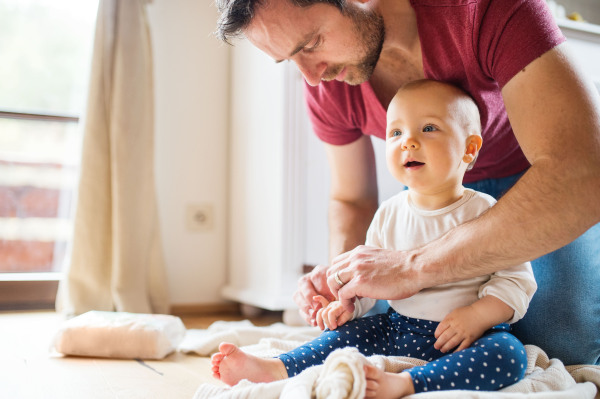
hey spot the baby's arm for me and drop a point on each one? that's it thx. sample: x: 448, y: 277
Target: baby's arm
x: 461, y: 327
x: 332, y: 314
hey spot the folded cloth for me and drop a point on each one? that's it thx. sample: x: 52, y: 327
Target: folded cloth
x: 120, y: 335
x: 544, y: 378
x: 272, y: 340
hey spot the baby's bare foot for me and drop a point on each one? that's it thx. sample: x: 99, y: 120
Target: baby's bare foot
x: 387, y: 385
x: 231, y: 365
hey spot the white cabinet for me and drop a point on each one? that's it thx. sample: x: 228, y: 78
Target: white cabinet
x: 266, y: 207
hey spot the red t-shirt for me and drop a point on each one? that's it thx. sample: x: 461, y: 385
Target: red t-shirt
x: 478, y: 45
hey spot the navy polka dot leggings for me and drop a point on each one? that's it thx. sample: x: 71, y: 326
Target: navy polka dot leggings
x: 494, y: 361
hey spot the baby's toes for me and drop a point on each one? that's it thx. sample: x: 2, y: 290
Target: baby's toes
x: 215, y: 367
x: 215, y: 361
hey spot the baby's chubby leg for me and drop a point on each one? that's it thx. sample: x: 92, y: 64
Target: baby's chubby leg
x: 231, y: 365
x: 381, y: 384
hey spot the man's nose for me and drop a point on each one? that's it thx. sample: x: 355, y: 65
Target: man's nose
x: 312, y: 72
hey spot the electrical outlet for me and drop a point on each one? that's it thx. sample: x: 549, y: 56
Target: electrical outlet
x: 199, y: 217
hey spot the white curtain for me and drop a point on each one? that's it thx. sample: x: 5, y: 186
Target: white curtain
x: 116, y: 260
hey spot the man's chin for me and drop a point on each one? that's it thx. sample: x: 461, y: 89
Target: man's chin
x: 351, y: 79
x: 356, y: 79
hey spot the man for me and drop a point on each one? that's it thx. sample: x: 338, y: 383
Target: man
x: 541, y: 124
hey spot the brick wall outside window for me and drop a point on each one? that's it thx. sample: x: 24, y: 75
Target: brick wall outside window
x: 33, y: 219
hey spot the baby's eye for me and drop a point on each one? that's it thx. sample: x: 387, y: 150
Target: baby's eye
x: 396, y: 133
x: 429, y: 128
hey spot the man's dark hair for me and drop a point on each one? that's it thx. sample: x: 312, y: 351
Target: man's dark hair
x: 236, y: 15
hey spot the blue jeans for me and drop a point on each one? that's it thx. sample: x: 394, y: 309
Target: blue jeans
x: 564, y: 315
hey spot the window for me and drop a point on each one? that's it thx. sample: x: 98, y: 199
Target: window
x: 45, y: 55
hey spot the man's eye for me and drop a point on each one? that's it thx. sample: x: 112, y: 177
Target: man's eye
x: 429, y: 128
x: 316, y: 42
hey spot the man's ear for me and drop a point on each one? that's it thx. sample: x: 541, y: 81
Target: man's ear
x: 474, y: 143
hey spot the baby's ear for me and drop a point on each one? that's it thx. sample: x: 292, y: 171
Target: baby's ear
x: 472, y: 148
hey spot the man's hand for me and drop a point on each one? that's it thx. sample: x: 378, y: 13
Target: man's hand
x: 332, y: 314
x: 374, y: 273
x: 309, y: 286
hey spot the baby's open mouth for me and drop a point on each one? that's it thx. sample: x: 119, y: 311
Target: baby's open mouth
x: 412, y: 164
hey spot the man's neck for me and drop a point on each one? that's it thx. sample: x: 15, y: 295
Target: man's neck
x: 400, y: 61
x: 400, y: 22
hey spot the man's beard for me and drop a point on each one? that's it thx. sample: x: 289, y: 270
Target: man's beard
x: 370, y: 29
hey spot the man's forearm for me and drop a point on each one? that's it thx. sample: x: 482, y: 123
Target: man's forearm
x: 348, y: 224
x: 547, y: 208
x: 555, y: 116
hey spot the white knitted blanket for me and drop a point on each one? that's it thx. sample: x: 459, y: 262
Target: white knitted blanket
x: 342, y: 375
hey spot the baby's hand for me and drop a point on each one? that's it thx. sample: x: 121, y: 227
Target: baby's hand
x: 332, y: 314
x: 459, y: 329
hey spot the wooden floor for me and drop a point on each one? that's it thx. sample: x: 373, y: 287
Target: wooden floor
x: 29, y: 370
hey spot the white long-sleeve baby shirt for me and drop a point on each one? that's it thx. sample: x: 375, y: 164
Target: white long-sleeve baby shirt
x: 398, y: 224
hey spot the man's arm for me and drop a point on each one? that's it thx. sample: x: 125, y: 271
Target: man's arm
x: 555, y: 115
x: 353, y: 196
x: 352, y: 204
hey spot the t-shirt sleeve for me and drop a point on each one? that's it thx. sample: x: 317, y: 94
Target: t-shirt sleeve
x: 515, y: 287
x: 512, y: 34
x: 362, y: 306
x: 330, y: 119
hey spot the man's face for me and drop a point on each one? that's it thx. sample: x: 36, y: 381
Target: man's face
x: 324, y: 43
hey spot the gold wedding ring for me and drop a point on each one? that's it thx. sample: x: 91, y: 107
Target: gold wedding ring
x: 336, y: 276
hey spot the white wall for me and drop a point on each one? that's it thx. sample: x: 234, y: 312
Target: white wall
x: 191, y: 92
x: 263, y: 262
x: 589, y: 9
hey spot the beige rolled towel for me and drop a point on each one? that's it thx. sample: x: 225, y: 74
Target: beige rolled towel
x: 342, y: 376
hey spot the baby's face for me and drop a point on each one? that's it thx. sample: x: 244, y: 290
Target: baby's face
x: 425, y: 141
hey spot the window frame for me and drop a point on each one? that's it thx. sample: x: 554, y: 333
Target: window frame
x: 26, y: 291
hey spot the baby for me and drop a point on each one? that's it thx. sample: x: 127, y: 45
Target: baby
x: 433, y: 136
